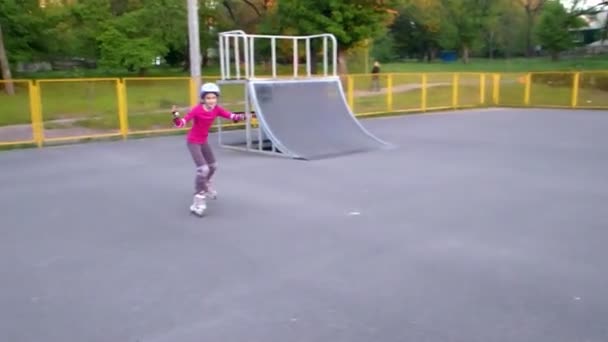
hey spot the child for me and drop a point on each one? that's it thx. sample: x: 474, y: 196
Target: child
x: 203, y: 116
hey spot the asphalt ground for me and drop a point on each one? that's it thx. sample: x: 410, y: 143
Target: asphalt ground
x: 480, y: 226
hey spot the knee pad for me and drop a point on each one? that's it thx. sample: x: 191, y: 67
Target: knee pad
x: 202, y: 170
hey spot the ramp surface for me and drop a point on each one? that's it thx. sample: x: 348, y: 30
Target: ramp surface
x: 310, y: 119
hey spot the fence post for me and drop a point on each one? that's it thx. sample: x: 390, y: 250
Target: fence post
x: 482, y: 88
x: 455, y: 78
x: 389, y: 93
x: 36, y: 113
x: 121, y: 92
x: 351, y: 92
x: 423, y: 103
x: 193, y: 92
x: 527, y: 89
x: 496, y: 89
x: 575, y: 85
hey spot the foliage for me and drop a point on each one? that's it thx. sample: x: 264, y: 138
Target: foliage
x: 417, y: 29
x: 131, y: 34
x: 383, y: 49
x: 351, y: 21
x: 553, y: 28
x: 22, y: 22
x: 461, y: 25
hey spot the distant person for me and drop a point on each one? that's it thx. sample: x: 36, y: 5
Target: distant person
x: 376, y: 76
x: 203, y: 116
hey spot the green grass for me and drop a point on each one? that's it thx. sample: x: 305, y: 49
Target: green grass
x: 502, y: 65
x: 475, y: 65
x: 15, y: 109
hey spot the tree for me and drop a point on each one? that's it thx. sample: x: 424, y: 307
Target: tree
x: 351, y: 21
x: 6, y: 70
x: 461, y: 25
x: 417, y: 28
x: 553, y: 28
x: 134, y: 39
x: 22, y: 23
x: 383, y: 48
x: 491, y: 12
x: 246, y: 14
x: 532, y: 8
x: 19, y: 35
x: 597, y: 8
x: 511, y: 32
x: 73, y: 31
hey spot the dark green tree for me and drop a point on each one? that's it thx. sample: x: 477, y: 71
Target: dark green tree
x: 351, y: 21
x: 416, y: 30
x: 553, y: 28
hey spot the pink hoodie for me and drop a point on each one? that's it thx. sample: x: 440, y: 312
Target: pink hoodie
x: 203, y: 120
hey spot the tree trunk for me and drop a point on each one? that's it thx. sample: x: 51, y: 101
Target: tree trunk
x: 186, y: 57
x: 205, y: 62
x: 465, y: 54
x: 491, y: 45
x: 554, y: 56
x: 6, y: 70
x: 529, y: 24
x: 342, y: 67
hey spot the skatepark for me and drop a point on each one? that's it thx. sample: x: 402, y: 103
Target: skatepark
x: 474, y: 225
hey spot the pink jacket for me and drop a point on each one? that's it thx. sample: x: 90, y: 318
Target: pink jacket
x: 203, y: 120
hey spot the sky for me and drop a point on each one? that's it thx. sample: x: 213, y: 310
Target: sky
x: 568, y: 3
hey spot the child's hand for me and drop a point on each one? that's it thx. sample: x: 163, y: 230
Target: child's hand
x: 174, y: 111
x: 238, y: 117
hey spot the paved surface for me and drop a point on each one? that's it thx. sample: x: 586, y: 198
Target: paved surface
x: 311, y: 120
x: 481, y: 226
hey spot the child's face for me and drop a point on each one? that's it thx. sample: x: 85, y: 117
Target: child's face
x: 210, y: 100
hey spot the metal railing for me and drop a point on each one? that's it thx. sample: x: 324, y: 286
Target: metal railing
x: 231, y: 55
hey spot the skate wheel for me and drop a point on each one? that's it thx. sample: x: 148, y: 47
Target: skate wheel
x: 199, y: 213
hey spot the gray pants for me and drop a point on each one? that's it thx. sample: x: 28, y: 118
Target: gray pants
x: 203, y: 158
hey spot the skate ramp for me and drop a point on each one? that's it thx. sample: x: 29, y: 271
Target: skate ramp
x: 310, y: 119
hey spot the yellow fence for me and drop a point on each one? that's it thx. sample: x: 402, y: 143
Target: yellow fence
x: 46, y: 111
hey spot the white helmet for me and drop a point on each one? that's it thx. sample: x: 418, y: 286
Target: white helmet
x: 210, y: 88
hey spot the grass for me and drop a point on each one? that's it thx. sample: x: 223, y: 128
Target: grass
x: 93, y: 104
x: 15, y: 109
x: 503, y: 65
x: 475, y: 65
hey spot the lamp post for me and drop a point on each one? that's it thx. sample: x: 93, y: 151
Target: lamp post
x: 194, y: 42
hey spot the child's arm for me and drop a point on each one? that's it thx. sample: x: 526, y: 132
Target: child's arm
x: 181, y: 122
x: 230, y: 116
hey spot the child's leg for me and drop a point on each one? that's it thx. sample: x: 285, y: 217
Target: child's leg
x: 207, y: 153
x: 210, y: 159
x: 202, y: 170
